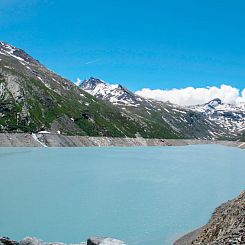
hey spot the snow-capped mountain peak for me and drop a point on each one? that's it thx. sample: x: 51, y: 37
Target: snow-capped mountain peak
x: 91, y: 83
x: 229, y: 116
x: 19, y: 54
x: 115, y: 93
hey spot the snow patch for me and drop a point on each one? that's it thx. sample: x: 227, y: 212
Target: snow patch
x: 44, y: 132
x: 46, y: 85
x: 35, y: 137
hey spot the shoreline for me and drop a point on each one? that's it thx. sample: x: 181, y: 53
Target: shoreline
x: 188, y: 238
x: 57, y: 140
x: 36, y: 241
x: 226, y: 225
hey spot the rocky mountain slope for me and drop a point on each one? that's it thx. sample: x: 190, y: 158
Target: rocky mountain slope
x: 33, y: 98
x: 229, y: 116
x: 211, y: 120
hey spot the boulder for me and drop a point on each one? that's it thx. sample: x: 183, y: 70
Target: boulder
x: 104, y: 241
x: 8, y: 241
x: 31, y: 241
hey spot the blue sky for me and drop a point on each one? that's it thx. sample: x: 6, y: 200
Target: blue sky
x: 152, y: 44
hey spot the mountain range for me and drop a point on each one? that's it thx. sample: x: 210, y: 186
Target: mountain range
x: 34, y: 98
x: 218, y: 120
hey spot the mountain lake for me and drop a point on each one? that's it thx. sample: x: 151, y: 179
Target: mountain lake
x: 141, y: 195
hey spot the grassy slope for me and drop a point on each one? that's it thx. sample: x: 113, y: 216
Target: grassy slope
x: 91, y: 117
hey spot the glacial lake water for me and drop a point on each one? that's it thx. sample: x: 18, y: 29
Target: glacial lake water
x: 143, y: 195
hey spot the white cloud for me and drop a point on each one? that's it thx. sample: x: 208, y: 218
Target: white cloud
x: 92, y: 61
x: 194, y: 96
x: 78, y: 82
x: 242, y: 97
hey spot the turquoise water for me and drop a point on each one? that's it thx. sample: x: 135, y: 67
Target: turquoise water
x: 147, y: 195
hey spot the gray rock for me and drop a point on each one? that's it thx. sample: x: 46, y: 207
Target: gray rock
x: 31, y: 241
x: 104, y: 241
x: 8, y: 241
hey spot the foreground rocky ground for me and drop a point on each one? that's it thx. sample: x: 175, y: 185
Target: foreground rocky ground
x: 226, y: 226
x: 57, y: 140
x: 35, y: 241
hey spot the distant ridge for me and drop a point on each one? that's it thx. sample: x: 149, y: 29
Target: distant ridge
x: 225, y: 120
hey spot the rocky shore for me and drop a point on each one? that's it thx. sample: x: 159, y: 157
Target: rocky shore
x: 226, y: 226
x: 35, y: 241
x: 46, y: 139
